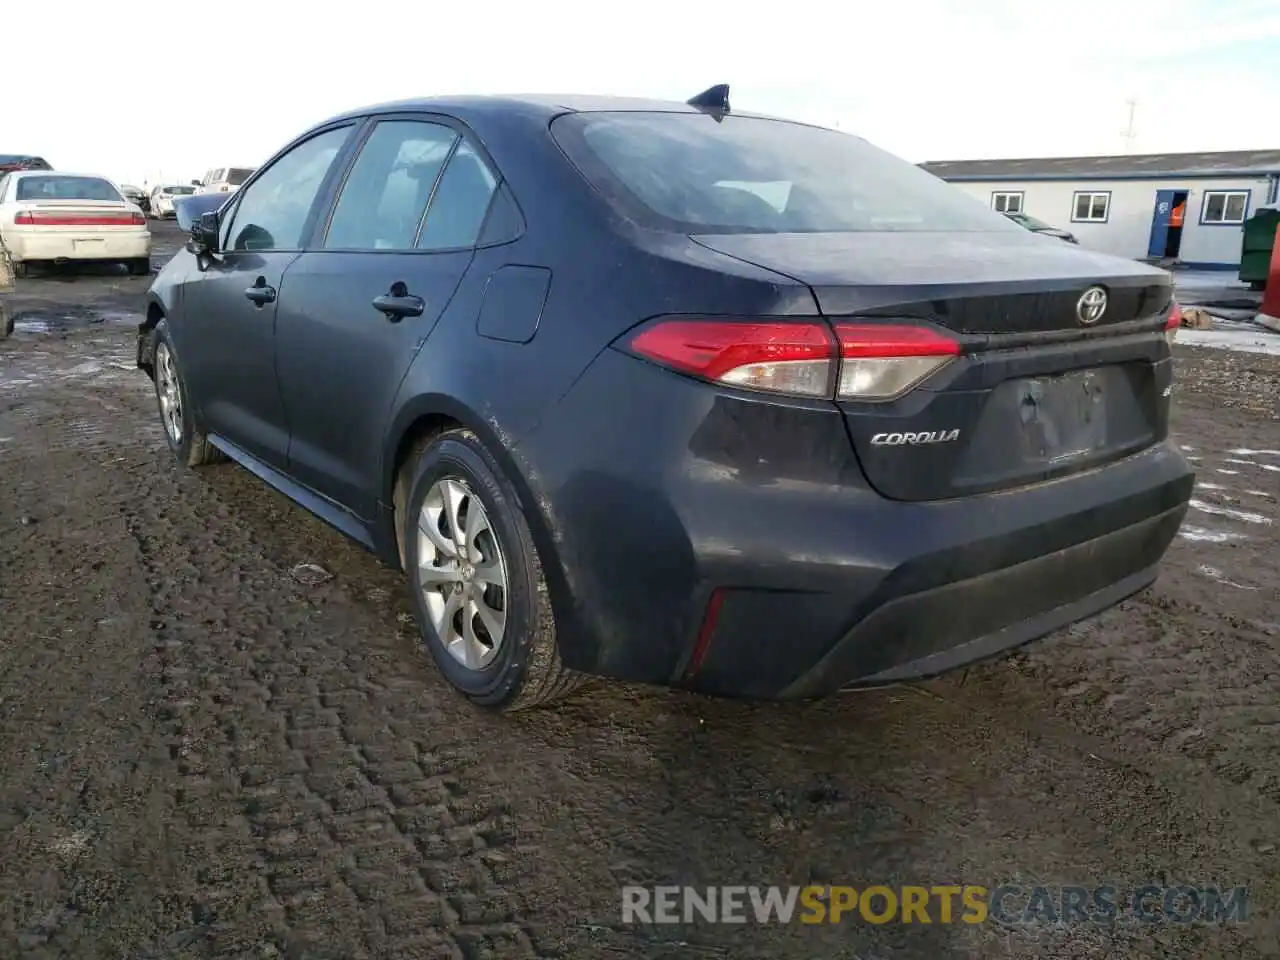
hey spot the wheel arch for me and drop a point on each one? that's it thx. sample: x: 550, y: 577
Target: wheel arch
x: 425, y: 417
x: 155, y: 313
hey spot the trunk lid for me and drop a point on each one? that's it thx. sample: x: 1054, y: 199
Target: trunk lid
x: 1036, y: 393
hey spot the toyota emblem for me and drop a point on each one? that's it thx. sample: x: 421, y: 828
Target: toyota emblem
x: 1091, y: 306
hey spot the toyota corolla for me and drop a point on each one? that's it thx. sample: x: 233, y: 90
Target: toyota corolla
x: 669, y: 393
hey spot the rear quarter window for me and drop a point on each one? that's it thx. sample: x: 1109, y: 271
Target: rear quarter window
x: 688, y: 173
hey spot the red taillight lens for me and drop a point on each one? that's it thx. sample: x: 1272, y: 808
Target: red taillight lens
x: 883, y: 361
x: 863, y: 362
x: 52, y: 218
x: 1172, y: 324
x: 778, y: 357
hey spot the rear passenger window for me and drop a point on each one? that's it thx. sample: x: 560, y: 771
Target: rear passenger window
x: 387, y: 191
x: 460, y: 202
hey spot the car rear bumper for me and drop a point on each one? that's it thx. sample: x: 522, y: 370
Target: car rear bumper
x: 922, y: 635
x: 667, y: 504
x: 121, y: 245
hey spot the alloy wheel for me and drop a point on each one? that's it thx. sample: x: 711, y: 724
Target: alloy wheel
x: 462, y: 573
x: 169, y: 393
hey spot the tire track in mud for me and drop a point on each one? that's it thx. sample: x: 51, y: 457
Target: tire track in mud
x: 365, y: 829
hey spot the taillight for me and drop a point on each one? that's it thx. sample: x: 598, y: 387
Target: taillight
x: 883, y: 361
x: 1173, y: 323
x: 40, y: 218
x: 802, y: 359
x: 777, y: 357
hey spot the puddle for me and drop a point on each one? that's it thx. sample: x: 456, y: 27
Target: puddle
x: 72, y: 318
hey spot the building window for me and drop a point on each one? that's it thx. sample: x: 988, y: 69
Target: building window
x: 1006, y: 202
x: 1091, y: 208
x: 1224, y: 207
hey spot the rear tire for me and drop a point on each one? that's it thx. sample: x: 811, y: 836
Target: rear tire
x: 188, y: 443
x: 139, y: 267
x: 21, y: 269
x: 520, y: 667
x: 6, y: 323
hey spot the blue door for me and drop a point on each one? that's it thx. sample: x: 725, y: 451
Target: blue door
x: 1160, y: 223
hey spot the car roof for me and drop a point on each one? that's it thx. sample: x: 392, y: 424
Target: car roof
x: 529, y: 105
x: 58, y: 173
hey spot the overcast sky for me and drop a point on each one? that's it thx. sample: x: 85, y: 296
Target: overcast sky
x: 137, y: 89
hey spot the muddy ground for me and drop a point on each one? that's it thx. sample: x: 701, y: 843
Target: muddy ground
x: 201, y: 756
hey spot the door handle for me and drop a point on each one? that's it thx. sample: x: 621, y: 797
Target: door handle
x: 261, y: 292
x: 398, y: 303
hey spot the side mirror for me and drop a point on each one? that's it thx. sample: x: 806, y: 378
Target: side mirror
x: 195, y: 183
x: 204, y: 232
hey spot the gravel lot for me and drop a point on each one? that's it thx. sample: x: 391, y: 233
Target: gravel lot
x: 201, y: 756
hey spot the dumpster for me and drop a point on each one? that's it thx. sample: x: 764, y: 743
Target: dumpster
x: 1255, y: 248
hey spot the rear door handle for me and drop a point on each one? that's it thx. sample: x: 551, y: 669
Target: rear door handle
x: 398, y: 303
x: 261, y: 292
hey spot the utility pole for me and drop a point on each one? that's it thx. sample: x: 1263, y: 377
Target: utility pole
x: 1129, y: 135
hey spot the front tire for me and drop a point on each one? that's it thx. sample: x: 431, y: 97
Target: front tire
x: 477, y: 585
x: 185, y: 439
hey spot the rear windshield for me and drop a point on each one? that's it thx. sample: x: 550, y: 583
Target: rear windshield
x: 66, y: 188
x: 688, y: 173
x: 178, y: 191
x: 238, y: 175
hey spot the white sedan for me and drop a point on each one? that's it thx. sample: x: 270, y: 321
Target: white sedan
x: 162, y: 198
x: 49, y: 216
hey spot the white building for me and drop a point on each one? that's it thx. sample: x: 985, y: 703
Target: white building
x: 1128, y: 205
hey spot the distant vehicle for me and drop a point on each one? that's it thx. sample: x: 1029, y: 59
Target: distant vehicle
x: 136, y: 196
x: 1039, y: 226
x: 663, y: 393
x: 223, y: 179
x: 48, y: 217
x: 22, y: 161
x: 163, y: 196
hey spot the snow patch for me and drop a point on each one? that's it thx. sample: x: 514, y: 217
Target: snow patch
x: 1213, y: 573
x: 1203, y: 535
x: 1242, y: 515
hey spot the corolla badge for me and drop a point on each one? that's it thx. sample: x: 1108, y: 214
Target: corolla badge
x: 918, y: 437
x: 1091, y: 306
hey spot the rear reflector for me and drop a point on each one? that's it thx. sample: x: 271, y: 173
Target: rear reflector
x: 52, y: 218
x: 802, y: 359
